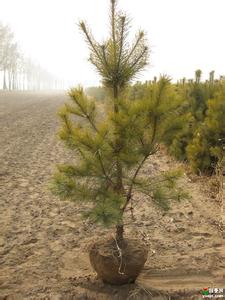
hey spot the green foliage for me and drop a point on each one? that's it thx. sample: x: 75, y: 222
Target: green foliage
x: 192, y: 111
x: 193, y: 116
x: 116, y: 60
x: 207, y: 146
x: 142, y: 123
x: 198, y: 153
x: 111, y: 148
x: 162, y: 189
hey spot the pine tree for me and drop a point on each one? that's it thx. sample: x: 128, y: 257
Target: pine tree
x: 207, y: 147
x: 111, y: 148
x: 183, y: 121
x: 193, y: 110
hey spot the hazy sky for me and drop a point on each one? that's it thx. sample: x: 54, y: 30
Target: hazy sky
x: 184, y: 35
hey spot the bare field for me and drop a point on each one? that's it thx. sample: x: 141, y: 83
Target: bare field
x: 43, y: 241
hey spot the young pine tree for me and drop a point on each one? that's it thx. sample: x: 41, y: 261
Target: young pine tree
x: 207, y: 147
x: 112, y: 149
x: 192, y: 113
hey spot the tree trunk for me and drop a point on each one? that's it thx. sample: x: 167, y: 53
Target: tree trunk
x: 4, y: 81
x: 13, y: 81
x: 23, y: 78
x: 119, y: 184
x: 119, y: 233
x: 10, y: 80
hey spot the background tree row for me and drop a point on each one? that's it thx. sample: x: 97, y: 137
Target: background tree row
x: 196, y: 117
x: 18, y: 72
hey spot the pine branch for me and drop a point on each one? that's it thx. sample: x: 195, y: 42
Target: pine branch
x: 87, y: 116
x: 138, y: 60
x: 129, y: 194
x: 103, y: 168
x: 113, y: 8
x: 123, y: 20
x: 91, y: 44
x: 163, y: 81
x: 139, y: 38
x: 103, y: 47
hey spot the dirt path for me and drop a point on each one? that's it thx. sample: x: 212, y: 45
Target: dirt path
x: 43, y: 240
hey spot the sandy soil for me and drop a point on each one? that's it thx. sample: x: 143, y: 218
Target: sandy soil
x: 43, y: 241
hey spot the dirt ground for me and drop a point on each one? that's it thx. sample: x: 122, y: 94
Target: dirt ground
x: 44, y: 242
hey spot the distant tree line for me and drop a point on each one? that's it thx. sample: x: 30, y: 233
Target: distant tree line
x: 196, y: 113
x: 18, y: 72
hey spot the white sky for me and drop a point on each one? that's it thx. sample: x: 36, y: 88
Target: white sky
x: 184, y: 35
